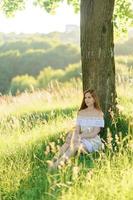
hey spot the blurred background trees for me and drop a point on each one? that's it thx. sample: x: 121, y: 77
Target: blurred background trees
x: 47, y: 57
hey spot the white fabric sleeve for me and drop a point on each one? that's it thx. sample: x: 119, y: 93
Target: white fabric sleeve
x: 91, y: 122
x: 100, y: 122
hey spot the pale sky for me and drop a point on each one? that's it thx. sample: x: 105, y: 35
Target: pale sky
x: 35, y: 19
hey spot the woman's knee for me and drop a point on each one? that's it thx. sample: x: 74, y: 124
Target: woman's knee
x: 68, y: 137
x: 75, y: 147
x: 83, y: 149
x: 80, y: 148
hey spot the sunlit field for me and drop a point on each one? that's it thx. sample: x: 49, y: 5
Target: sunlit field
x: 33, y: 126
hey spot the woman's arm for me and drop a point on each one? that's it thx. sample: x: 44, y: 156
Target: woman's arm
x: 91, y: 134
x: 77, y: 129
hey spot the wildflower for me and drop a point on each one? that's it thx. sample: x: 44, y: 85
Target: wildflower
x: 75, y: 172
x: 50, y: 163
x: 89, y: 175
x: 57, y: 147
x: 109, y: 139
x: 58, y: 141
x: 131, y: 145
x: 47, y: 151
x: 117, y: 139
x: 120, y: 108
x: 61, y: 164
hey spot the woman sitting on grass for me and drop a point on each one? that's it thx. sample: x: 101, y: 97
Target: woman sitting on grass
x: 85, y: 137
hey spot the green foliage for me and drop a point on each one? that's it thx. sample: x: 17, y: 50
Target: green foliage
x: 75, y: 4
x: 72, y: 71
x: 49, y: 5
x: 23, y: 44
x: 123, y: 15
x: 29, y: 54
x: 22, y: 83
x: 47, y: 75
x: 61, y: 55
x: 28, y: 141
x: 124, y: 73
x: 123, y: 12
x: 11, y: 6
x: 8, y: 68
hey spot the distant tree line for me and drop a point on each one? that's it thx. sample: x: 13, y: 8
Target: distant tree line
x: 46, y: 76
x: 29, y: 55
x: 32, y: 59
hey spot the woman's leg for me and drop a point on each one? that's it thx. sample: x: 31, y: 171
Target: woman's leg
x: 62, y: 150
x: 73, y: 149
x: 64, y: 147
x: 57, y: 156
x: 69, y: 153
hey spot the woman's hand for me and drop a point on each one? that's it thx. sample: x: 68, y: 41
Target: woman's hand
x: 90, y: 134
x: 85, y: 134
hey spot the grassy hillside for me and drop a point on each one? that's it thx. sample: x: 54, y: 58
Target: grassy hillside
x: 32, y: 128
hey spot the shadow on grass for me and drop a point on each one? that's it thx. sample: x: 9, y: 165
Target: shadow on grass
x: 44, y: 184
x: 117, y: 128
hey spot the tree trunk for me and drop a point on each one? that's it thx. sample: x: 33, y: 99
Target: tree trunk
x: 97, y: 50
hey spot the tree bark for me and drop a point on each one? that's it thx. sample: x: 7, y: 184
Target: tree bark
x: 97, y: 50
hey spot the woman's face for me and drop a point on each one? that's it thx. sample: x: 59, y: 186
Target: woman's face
x: 89, y: 100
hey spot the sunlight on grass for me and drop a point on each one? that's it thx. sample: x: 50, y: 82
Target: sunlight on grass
x: 32, y: 129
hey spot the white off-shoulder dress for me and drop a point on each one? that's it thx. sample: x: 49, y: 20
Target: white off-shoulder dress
x: 87, y: 124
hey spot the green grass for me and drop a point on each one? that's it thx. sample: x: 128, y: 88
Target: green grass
x: 31, y: 131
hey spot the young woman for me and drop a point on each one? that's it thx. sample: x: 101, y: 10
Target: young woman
x: 85, y: 137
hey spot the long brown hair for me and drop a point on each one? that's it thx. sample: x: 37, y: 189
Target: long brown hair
x: 96, y: 101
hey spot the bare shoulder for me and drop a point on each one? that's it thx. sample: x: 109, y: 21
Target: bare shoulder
x: 100, y: 113
x: 81, y: 112
x: 94, y: 113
